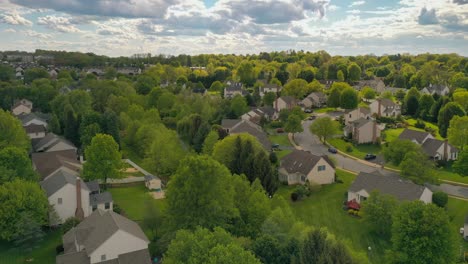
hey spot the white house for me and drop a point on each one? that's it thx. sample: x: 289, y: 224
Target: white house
x: 300, y: 166
x: 269, y: 88
x: 32, y: 118
x: 385, y: 107
x: 436, y: 89
x: 363, y: 131
x: 285, y: 102
x: 355, y: 114
x: 23, y: 106
x: 403, y: 190
x: 232, y: 89
x: 434, y: 148
x: 152, y: 182
x: 315, y: 99
x: 105, y: 237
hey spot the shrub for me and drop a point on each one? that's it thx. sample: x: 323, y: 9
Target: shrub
x: 69, y: 224
x: 116, y: 208
x: 349, y: 147
x: 420, y: 124
x: 59, y: 249
x: 351, y: 212
x: 440, y: 199
x: 294, y: 196
x: 302, y: 191
x: 273, y: 158
x: 276, y: 124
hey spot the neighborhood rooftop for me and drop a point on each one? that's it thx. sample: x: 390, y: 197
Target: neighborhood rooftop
x: 301, y: 161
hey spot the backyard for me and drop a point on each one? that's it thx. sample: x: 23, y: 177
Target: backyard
x: 283, y: 141
x: 358, y: 151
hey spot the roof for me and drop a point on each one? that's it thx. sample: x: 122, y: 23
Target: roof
x: 93, y: 186
x: 245, y: 126
x: 24, y: 102
x: 33, y: 128
x: 410, y: 134
x: 386, y: 102
x: 361, y: 122
x: 46, y: 163
x: 58, y: 180
x: 97, y: 228
x: 150, y: 177
x: 288, y: 99
x: 100, y: 198
x: 51, y: 140
x: 320, y: 95
x: 403, y: 190
x: 25, y: 118
x: 73, y: 258
x: 301, y: 161
x: 229, y: 123
x: 431, y: 145
x: 139, y: 256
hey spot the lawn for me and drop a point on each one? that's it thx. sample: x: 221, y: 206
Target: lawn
x: 457, y: 210
x: 324, y: 110
x: 392, y: 134
x: 44, y: 253
x: 283, y: 141
x: 324, y: 209
x: 359, y: 151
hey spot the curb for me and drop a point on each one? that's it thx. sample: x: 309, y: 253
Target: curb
x: 454, y: 183
x: 354, y: 158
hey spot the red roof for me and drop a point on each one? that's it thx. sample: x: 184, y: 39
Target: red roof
x: 353, y: 204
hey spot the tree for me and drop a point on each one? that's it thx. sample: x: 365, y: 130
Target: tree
x: 217, y: 86
x: 269, y: 98
x: 354, y: 72
x: 246, y: 73
x: 296, y: 88
x: 203, y: 183
x: 210, y: 141
x: 460, y: 96
x: 396, y: 151
x: 349, y: 99
x: 17, y: 197
x: 7, y: 73
x: 270, y: 250
x: 418, y: 229
x: 69, y: 224
x: 71, y: 126
x: 334, y: 97
x: 457, y: 132
x: 17, y: 161
x: 152, y: 219
x: 293, y: 125
x: 13, y: 134
x: 324, y: 127
x: 446, y: 114
x: 87, y: 134
x: 400, y: 95
x: 35, y: 73
x: 318, y: 247
x: 144, y: 84
x: 31, y: 233
x: 424, y: 106
x: 307, y: 75
x: 193, y: 130
x: 103, y: 159
x: 54, y: 125
x: 440, y: 199
x: 238, y: 106
x: 340, y: 76
x: 437, y: 106
x: 460, y: 166
x: 204, y: 246
x: 417, y: 167
x: 411, y: 105
x: 368, y: 93
x: 378, y: 210
x: 110, y: 125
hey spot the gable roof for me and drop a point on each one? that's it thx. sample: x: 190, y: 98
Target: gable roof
x: 150, y: 177
x: 386, y: 102
x: 403, y: 190
x: 301, y: 161
x: 245, y: 126
x: 139, y: 256
x: 288, y: 99
x: 100, y: 198
x: 58, y: 180
x: 361, y: 122
x: 24, y: 102
x: 320, y: 95
x: 33, y: 128
x: 410, y: 134
x: 431, y: 145
x: 93, y: 186
x: 51, y: 140
x: 97, y: 228
x: 25, y: 118
x: 48, y: 162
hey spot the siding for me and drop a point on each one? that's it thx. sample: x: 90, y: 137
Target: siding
x: 323, y: 177
x: 119, y: 243
x: 68, y: 206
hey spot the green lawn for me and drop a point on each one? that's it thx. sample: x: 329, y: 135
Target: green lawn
x: 324, y: 209
x: 281, y: 139
x: 44, y: 253
x: 392, y: 134
x: 457, y: 210
x: 324, y: 110
x: 359, y: 151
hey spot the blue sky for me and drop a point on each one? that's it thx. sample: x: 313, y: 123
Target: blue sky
x: 341, y: 27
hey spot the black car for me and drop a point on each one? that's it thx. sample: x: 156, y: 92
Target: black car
x: 332, y: 150
x: 370, y: 156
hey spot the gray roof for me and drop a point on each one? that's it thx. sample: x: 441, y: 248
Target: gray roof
x: 245, y: 126
x: 386, y: 102
x: 403, y: 190
x: 320, y: 95
x: 150, y: 177
x: 139, y: 256
x: 301, y: 161
x: 361, y: 122
x: 431, y: 146
x: 410, y: 134
x: 25, y: 118
x: 73, y: 258
x: 100, y: 198
x: 93, y: 186
x: 56, y: 181
x: 288, y: 100
x: 33, y: 128
x: 51, y: 140
x: 46, y: 163
x: 95, y: 229
x: 229, y: 123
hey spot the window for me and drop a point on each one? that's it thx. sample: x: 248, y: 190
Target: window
x: 303, y: 178
x: 94, y: 207
x: 59, y: 200
x: 103, y: 257
x: 321, y: 168
x: 349, y: 115
x: 107, y: 206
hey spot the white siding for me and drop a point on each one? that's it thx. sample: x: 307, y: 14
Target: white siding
x: 119, y: 243
x: 326, y: 176
x: 68, y: 206
x: 426, y: 196
x: 21, y: 109
x: 37, y: 135
x: 358, y: 195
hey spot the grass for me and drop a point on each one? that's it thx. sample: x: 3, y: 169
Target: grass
x: 359, y: 151
x: 44, y: 253
x: 457, y: 210
x: 281, y: 139
x: 324, y: 209
x: 324, y: 110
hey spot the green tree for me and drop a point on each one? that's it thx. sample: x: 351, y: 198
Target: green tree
x: 457, y: 132
x: 378, y: 210
x: 246, y: 73
x: 17, y: 197
x: 318, y: 247
x: 193, y: 129
x: 103, y: 159
x: 340, y: 76
x: 324, y: 128
x: 238, y: 106
x: 69, y: 224
x: 12, y: 132
x: 437, y: 106
x: 396, y: 151
x: 269, y: 98
x: 210, y: 141
x: 88, y: 133
x: 293, y: 125
x: 35, y: 73
x: 334, y: 97
x: 144, y: 84
x: 30, y: 234
x: 418, y: 229
x: 446, y: 114
x: 110, y: 125
x: 270, y: 250
x: 17, y: 161
x: 349, y: 99
x: 307, y: 75
x: 7, y: 73
x: 354, y: 72
x: 368, y: 93
x: 54, y: 125
x: 71, y: 126
x: 217, y: 86
x: 460, y: 96
x: 440, y: 199
x: 417, y: 167
x: 296, y: 88
x: 460, y: 166
x: 152, y: 219
x: 411, y: 105
x: 425, y: 104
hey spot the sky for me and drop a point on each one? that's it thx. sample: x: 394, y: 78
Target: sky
x: 172, y: 27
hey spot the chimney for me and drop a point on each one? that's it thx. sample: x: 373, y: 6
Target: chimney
x: 374, y: 132
x: 446, y: 149
x: 379, y: 106
x: 79, y: 213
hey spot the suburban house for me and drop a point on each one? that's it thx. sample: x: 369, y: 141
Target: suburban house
x: 269, y: 88
x: 72, y: 197
x: 300, y: 166
x: 23, y: 106
x: 32, y: 118
x: 355, y: 114
x: 234, y: 88
x: 436, y: 149
x: 315, y: 99
x: 35, y: 131
x: 403, y: 190
x: 385, y: 107
x: 256, y: 114
x: 238, y: 126
x: 376, y: 84
x: 105, y: 237
x: 363, y: 131
x: 436, y: 89
x: 152, y: 182
x: 52, y: 142
x: 46, y: 163
x: 285, y: 102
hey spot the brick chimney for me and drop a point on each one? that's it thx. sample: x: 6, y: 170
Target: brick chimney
x: 379, y: 105
x: 446, y: 149
x: 374, y: 131
x: 79, y: 213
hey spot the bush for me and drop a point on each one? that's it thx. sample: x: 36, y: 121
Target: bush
x: 294, y: 196
x: 69, y: 224
x: 349, y: 147
x: 420, y: 124
x: 351, y: 212
x: 116, y: 208
x: 302, y: 191
x: 431, y: 130
x: 276, y: 124
x: 440, y: 199
x: 273, y: 158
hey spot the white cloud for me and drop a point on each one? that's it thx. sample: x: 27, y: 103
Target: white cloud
x: 9, y: 30
x: 357, y: 3
x: 61, y: 24
x: 35, y: 34
x: 13, y: 18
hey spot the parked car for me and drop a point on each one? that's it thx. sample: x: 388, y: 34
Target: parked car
x: 332, y: 150
x: 280, y: 130
x: 275, y: 146
x: 370, y: 156
x: 312, y: 117
x: 308, y: 111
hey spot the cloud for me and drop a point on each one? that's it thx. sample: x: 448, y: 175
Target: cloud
x: 427, y: 17
x: 9, y: 30
x: 34, y: 34
x: 14, y: 18
x: 357, y: 3
x: 460, y: 2
x: 61, y: 24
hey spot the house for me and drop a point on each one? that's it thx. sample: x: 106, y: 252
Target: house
x: 53, y: 74
x: 234, y: 88
x: 256, y: 114
x: 33, y: 118
x: 403, y: 190
x: 436, y: 89
x: 315, y: 99
x: 238, y: 126
x: 300, y: 166
x: 47, y: 163
x: 35, y: 131
x: 52, y: 142
x: 355, y: 114
x: 269, y: 88
x: 72, y: 197
x: 285, y: 102
x: 23, y: 106
x: 436, y: 149
x: 385, y: 107
x: 105, y: 237
x: 376, y: 84
x: 363, y: 131
x: 152, y: 182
